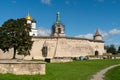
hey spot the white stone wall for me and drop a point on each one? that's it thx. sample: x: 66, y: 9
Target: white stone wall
x: 66, y: 47
x: 9, y: 55
x: 60, y: 47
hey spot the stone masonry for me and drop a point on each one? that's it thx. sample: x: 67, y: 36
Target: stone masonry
x: 22, y: 67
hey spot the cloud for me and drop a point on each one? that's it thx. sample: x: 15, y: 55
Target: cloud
x: 114, y: 31
x: 47, y: 2
x: 88, y: 36
x: 103, y: 33
x: 44, y: 32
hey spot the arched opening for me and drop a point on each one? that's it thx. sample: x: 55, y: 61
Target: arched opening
x: 59, y: 30
x: 96, y: 53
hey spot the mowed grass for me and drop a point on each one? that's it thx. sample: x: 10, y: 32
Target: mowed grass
x: 76, y: 70
x: 113, y: 74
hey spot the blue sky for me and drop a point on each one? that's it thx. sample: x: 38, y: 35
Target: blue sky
x: 80, y: 17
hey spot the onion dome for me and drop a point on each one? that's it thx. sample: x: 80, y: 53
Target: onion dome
x: 28, y: 17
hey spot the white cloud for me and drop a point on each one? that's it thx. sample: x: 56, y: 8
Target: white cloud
x: 104, y: 34
x: 114, y: 31
x: 88, y: 36
x: 44, y: 32
x: 48, y: 2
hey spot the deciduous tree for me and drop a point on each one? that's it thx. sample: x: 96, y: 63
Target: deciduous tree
x: 15, y: 34
x: 118, y: 50
x: 112, y: 49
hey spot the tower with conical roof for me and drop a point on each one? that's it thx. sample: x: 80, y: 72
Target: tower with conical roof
x: 97, y: 36
x: 32, y: 23
x: 58, y: 28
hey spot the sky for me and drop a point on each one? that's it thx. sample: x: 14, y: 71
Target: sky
x: 80, y: 17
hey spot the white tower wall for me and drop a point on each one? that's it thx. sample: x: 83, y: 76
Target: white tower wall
x: 28, y: 21
x: 33, y: 26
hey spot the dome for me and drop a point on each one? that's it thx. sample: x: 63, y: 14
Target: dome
x: 28, y: 17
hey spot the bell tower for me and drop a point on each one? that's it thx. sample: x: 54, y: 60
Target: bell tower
x: 58, y: 28
x: 32, y: 23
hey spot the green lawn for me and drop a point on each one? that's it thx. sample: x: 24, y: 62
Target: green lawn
x: 77, y: 70
x: 113, y: 74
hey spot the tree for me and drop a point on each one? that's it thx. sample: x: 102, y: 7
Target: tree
x: 112, y: 49
x: 118, y: 51
x: 106, y: 48
x: 15, y: 34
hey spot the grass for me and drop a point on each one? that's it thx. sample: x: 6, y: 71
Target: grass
x: 113, y: 74
x: 77, y: 70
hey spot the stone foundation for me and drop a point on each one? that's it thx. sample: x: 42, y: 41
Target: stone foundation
x: 22, y: 67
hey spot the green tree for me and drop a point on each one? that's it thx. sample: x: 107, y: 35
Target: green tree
x: 106, y: 48
x: 112, y: 49
x: 15, y: 34
x: 118, y: 51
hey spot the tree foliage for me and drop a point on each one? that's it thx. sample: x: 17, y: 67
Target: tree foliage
x: 111, y: 49
x: 15, y: 34
x: 118, y: 49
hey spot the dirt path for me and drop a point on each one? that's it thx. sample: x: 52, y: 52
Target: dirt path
x: 100, y: 75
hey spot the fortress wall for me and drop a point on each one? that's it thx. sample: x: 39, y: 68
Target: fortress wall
x: 6, y: 55
x: 72, y: 48
x: 59, y: 47
x: 66, y: 47
x: 9, y: 55
x: 38, y: 44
